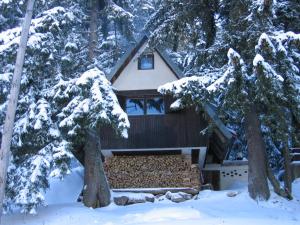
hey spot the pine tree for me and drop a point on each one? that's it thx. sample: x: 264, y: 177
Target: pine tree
x: 57, y: 50
x: 85, y: 104
x: 12, y: 103
x: 253, y: 82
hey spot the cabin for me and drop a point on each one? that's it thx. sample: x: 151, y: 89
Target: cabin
x: 165, y: 148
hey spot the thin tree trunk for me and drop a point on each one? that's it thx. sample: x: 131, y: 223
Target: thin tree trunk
x: 104, y: 19
x: 96, y: 191
x: 268, y: 4
x: 209, y: 25
x: 12, y: 103
x: 276, y: 185
x: 287, y: 169
x: 93, y: 29
x: 116, y: 40
x: 175, y: 39
x: 257, y: 177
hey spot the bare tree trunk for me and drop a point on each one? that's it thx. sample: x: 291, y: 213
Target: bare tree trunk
x: 209, y: 23
x: 12, y: 103
x: 175, y: 39
x: 257, y: 177
x: 268, y: 4
x: 267, y: 7
x: 93, y: 29
x: 287, y: 169
x: 96, y: 191
x: 276, y: 185
x: 104, y: 19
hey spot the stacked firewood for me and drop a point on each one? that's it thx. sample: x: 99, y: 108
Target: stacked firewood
x: 151, y: 171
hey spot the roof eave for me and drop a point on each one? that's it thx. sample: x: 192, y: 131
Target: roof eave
x: 125, y: 59
x: 217, y: 121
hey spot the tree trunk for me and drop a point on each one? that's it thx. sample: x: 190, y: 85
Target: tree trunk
x: 257, y: 177
x: 96, y: 191
x: 209, y: 23
x: 12, y: 103
x: 93, y: 29
x: 175, y: 39
x: 276, y: 185
x: 104, y: 19
x: 267, y: 4
x: 287, y: 169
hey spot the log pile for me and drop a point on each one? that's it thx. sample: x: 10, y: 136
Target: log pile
x: 151, y: 171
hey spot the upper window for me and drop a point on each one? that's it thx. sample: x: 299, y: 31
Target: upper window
x: 145, y: 106
x: 146, y: 62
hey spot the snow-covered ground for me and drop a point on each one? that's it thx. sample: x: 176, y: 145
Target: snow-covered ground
x: 211, y: 208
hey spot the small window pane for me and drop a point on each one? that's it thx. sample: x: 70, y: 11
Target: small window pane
x: 135, y: 106
x: 146, y: 62
x: 155, y: 106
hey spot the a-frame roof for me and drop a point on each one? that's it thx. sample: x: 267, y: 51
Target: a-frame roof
x: 131, y: 52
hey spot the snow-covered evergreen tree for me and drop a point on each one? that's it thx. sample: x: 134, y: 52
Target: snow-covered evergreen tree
x: 197, y: 34
x: 239, y: 25
x: 87, y: 102
x: 266, y: 77
x: 56, y: 53
x: 36, y: 147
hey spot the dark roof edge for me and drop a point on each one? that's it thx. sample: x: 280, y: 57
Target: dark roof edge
x: 132, y: 49
x: 217, y: 121
x: 176, y: 70
x: 118, y: 68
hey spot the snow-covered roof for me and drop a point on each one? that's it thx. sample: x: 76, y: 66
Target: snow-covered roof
x: 130, y: 53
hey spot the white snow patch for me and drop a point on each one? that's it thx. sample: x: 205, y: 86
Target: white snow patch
x: 232, y: 54
x: 215, y: 86
x: 66, y: 190
x: 5, y: 77
x: 210, y: 208
x: 132, y: 196
x: 162, y: 215
x: 257, y: 60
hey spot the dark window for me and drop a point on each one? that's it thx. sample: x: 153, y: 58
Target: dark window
x: 155, y: 106
x: 146, y: 62
x: 135, y: 106
x: 195, y: 156
x: 145, y: 106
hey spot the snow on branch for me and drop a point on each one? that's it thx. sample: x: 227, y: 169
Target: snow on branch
x: 188, y: 91
x: 52, y: 19
x: 28, y: 181
x: 117, y: 12
x: 89, y: 101
x: 265, y: 46
x: 234, y: 59
x: 260, y: 64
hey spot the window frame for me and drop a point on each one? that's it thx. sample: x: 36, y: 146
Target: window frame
x: 144, y: 100
x: 135, y: 98
x: 140, y: 61
x: 153, y: 114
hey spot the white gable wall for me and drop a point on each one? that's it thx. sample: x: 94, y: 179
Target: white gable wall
x: 133, y: 79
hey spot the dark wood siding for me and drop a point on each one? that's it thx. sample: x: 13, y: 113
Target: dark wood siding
x: 172, y: 130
